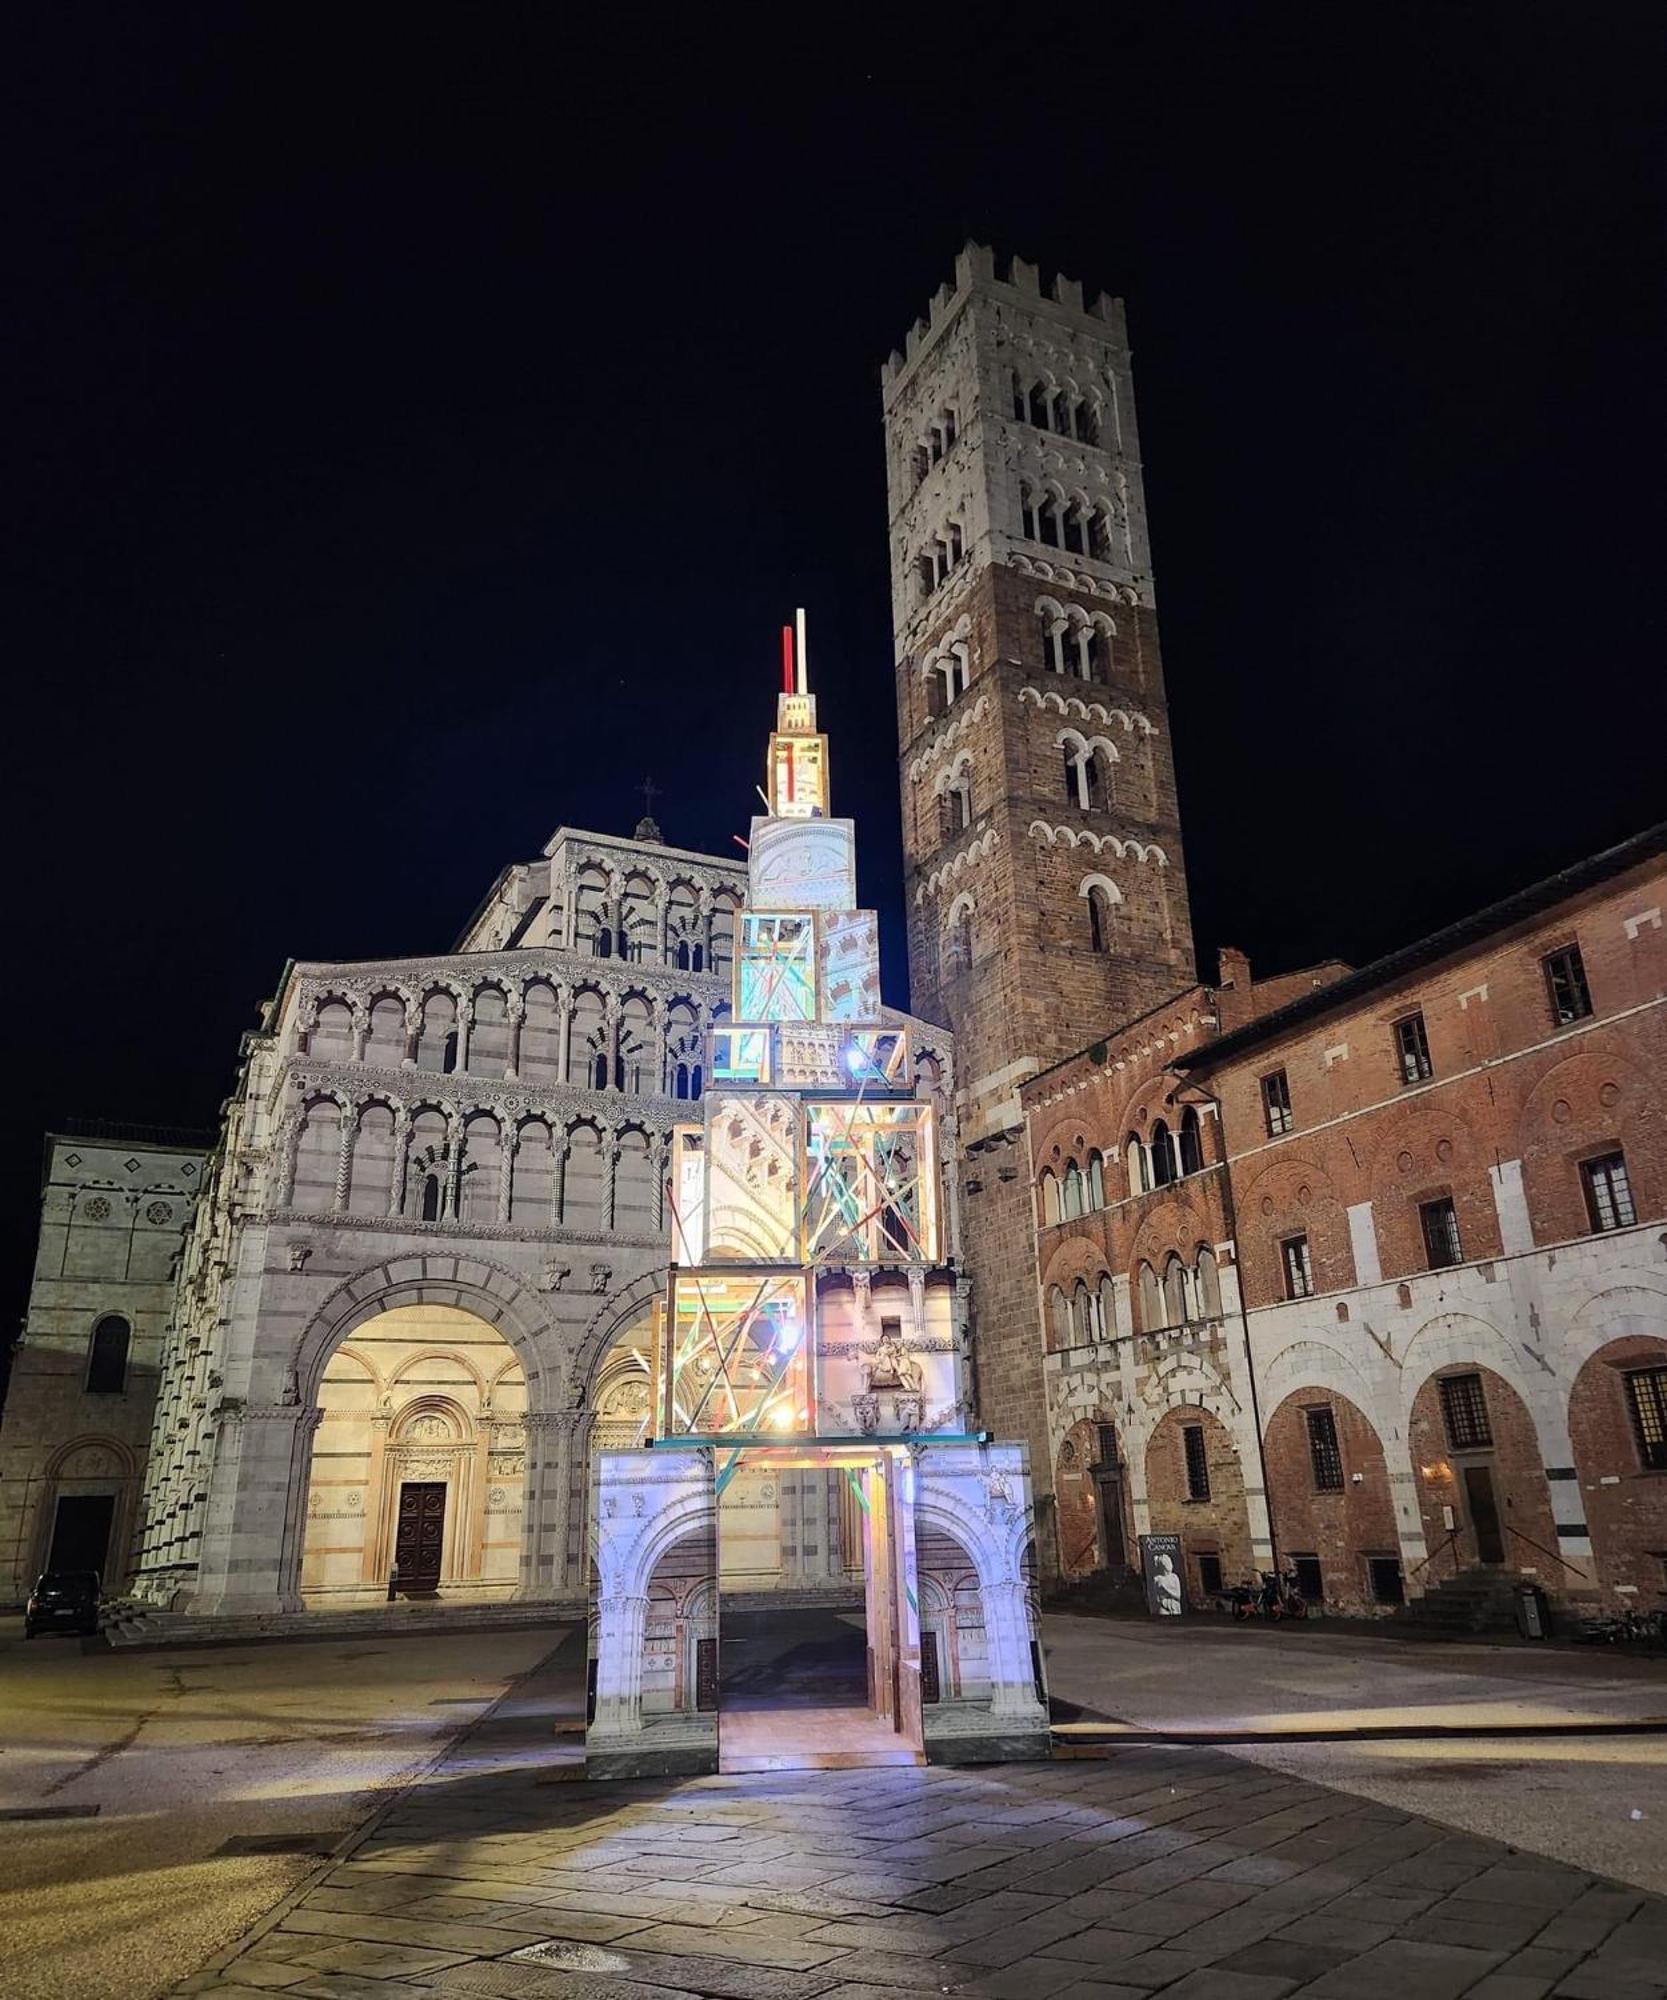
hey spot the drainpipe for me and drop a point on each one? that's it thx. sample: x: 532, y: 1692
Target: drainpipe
x: 1232, y: 1214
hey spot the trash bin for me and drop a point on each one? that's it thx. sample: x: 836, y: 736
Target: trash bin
x: 1533, y: 1612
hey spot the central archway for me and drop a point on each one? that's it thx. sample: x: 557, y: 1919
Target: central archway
x: 418, y: 1467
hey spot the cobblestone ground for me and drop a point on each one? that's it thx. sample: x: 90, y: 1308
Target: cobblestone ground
x: 1159, y: 1869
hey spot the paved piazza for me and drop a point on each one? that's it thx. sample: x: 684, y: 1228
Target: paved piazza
x: 1159, y: 1868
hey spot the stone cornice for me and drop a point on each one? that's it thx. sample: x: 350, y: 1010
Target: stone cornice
x: 570, y: 968
x: 612, y: 1110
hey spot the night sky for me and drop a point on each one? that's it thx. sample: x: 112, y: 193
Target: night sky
x: 421, y: 421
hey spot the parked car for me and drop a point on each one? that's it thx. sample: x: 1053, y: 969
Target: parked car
x: 63, y: 1600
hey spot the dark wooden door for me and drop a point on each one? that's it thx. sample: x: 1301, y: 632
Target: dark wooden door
x: 1484, y: 1513
x: 422, y: 1534
x: 931, y: 1685
x: 706, y: 1676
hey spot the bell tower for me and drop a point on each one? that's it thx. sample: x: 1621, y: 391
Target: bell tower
x: 1046, y: 894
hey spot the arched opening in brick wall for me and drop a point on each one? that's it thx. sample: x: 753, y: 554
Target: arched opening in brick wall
x: 1333, y: 1512
x: 1091, y: 1495
x: 1195, y: 1489
x: 1618, y: 1425
x: 1481, y: 1481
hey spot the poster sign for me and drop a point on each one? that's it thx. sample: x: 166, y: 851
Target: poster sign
x: 1164, y: 1573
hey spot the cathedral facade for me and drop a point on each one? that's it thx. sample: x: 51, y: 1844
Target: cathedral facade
x: 415, y: 1289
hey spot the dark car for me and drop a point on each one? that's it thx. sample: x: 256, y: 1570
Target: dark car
x: 63, y: 1600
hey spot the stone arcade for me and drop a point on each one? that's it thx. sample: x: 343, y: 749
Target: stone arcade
x: 814, y: 1326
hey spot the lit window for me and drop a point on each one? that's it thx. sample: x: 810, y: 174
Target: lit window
x: 1197, y: 1462
x: 1608, y: 1192
x: 1299, y: 1271
x: 1440, y: 1223
x: 1464, y: 1413
x: 1565, y: 980
x: 1323, y: 1449
x: 1412, y: 1045
x: 1646, y: 1394
x: 1276, y: 1103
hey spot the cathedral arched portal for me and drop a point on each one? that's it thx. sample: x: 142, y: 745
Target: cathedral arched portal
x: 418, y: 1470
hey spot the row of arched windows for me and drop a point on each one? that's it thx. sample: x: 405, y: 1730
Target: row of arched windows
x: 570, y: 1037
x: 1075, y: 1190
x: 1070, y: 522
x: 1181, y: 1293
x: 948, y: 676
x: 1075, y: 643
x: 1081, y: 1316
x: 1062, y: 411
x: 644, y: 925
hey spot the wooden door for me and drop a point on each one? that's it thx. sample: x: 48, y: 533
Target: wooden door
x: 706, y: 1676
x: 930, y: 1686
x: 1484, y: 1513
x: 422, y: 1534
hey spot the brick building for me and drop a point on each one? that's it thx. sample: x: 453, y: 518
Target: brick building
x: 1043, y: 870
x: 1367, y: 1268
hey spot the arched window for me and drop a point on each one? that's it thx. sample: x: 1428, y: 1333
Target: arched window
x: 1019, y: 410
x: 1059, y: 1316
x: 1088, y: 422
x: 448, y: 1053
x: 1099, y: 918
x: 1047, y: 520
x: 1209, y: 1285
x: 1071, y: 522
x: 1108, y: 1308
x: 1163, y: 1155
x: 1062, y: 412
x: 107, y: 1356
x: 1175, y: 1292
x: 1027, y: 513
x: 431, y: 1198
x: 1051, y: 1211
x: 1151, y: 1298
x: 955, y: 806
x: 1192, y: 1145
x: 1139, y: 1164
x: 1096, y: 1181
x: 599, y: 1070
x: 1071, y: 1201
x: 1096, y: 771
x: 1085, y: 1313
x: 958, y: 936
x: 1039, y: 405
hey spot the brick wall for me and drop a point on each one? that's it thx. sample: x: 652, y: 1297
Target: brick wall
x: 1341, y: 1527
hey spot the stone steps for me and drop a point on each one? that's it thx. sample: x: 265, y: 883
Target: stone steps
x: 134, y: 1627
x: 1476, y: 1600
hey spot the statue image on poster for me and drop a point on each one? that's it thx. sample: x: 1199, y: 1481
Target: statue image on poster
x: 1161, y: 1566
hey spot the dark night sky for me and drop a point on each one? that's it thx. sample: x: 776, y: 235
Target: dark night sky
x: 422, y: 420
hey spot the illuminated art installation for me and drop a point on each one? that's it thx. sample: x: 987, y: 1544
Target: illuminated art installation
x: 814, y: 1319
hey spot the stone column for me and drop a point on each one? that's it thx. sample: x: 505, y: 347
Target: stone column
x: 547, y: 1495
x: 516, y: 1008
x: 361, y: 1028
x: 413, y: 1028
x: 1007, y: 1641
x: 465, y: 1020
x: 564, y: 1050
x: 400, y: 1165
x: 509, y: 1144
x: 621, y: 1623
x: 344, y: 1156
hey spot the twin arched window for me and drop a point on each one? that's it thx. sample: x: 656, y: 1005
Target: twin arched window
x: 1084, y: 1315
x: 1061, y: 411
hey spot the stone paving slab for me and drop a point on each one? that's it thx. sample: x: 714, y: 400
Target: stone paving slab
x: 1161, y: 1868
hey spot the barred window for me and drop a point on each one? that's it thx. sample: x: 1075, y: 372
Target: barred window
x: 1440, y: 1223
x: 1299, y: 1271
x: 1412, y: 1045
x: 1608, y: 1192
x: 1464, y: 1413
x: 1276, y: 1103
x: 1198, y: 1464
x: 1323, y: 1449
x: 1565, y: 980
x: 1646, y: 1394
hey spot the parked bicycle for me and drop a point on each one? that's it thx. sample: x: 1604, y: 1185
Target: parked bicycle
x: 1625, y: 1627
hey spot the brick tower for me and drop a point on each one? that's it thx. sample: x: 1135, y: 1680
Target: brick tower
x: 1046, y: 895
